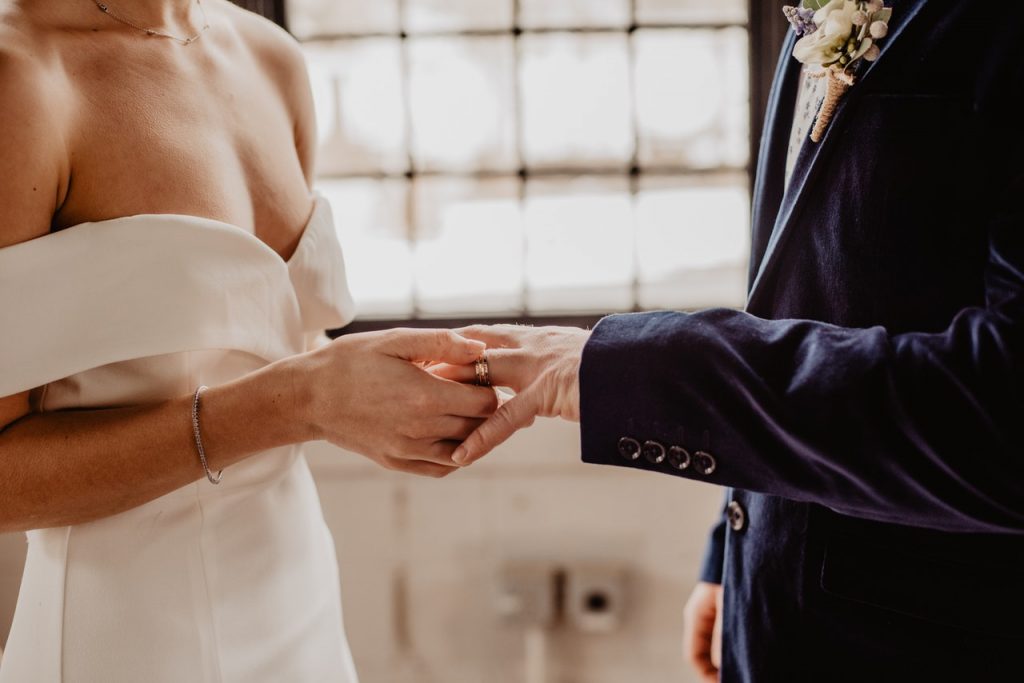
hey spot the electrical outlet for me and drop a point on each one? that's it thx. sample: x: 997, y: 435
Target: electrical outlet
x: 595, y: 597
x: 528, y: 594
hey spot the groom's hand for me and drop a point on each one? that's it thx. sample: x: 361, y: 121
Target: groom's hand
x: 370, y: 393
x: 702, y: 630
x: 540, y: 364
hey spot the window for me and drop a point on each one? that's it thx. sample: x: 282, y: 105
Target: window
x: 510, y: 158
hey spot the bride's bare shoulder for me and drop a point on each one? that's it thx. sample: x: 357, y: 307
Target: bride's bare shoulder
x: 281, y: 59
x: 33, y: 156
x: 277, y: 51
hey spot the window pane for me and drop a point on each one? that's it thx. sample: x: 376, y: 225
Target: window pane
x: 690, y: 11
x: 579, y: 241
x: 575, y: 100
x: 357, y: 88
x: 574, y: 13
x: 457, y: 15
x: 325, y: 17
x: 692, y: 241
x: 692, y: 97
x: 463, y: 103
x: 370, y: 217
x: 469, y: 251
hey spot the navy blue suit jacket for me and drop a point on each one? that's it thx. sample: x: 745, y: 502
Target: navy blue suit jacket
x: 867, y: 408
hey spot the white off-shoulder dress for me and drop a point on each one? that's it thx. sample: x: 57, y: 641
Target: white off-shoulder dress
x: 207, y: 584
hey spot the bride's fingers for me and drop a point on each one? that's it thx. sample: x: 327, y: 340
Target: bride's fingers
x: 464, y: 374
x: 431, y: 345
x: 463, y: 400
x: 420, y: 468
x: 512, y: 416
x: 428, y: 450
x: 452, y: 428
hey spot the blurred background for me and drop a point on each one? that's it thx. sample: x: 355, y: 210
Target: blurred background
x: 539, y: 161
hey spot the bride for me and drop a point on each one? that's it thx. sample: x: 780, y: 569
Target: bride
x: 158, y: 236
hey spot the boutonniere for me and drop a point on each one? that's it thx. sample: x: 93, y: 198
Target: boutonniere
x: 837, y: 35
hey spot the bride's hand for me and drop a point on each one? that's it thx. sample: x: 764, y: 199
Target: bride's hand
x: 370, y: 393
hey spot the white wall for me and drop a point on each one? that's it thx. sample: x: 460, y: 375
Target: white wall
x: 419, y: 558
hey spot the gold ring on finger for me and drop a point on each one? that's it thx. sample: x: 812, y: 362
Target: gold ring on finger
x: 483, y: 371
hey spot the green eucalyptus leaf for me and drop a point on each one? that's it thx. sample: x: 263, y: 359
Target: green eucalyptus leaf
x: 864, y: 47
x: 814, y: 4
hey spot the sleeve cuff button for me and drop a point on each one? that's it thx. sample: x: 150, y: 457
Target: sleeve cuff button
x: 654, y: 452
x: 704, y: 463
x: 679, y: 458
x: 629, y: 448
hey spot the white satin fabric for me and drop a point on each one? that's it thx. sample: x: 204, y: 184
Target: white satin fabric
x: 207, y: 584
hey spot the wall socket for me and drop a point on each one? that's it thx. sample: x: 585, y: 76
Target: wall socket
x: 595, y: 597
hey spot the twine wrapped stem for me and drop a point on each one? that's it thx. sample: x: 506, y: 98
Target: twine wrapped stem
x: 839, y: 81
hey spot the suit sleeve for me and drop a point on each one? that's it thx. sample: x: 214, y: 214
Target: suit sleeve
x: 922, y: 428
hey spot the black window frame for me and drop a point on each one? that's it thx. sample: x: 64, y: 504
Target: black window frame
x: 766, y: 28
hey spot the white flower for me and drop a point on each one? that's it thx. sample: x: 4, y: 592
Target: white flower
x: 827, y: 44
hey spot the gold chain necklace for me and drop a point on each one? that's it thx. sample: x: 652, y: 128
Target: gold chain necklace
x: 155, y: 32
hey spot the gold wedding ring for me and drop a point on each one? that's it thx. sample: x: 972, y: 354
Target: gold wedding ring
x: 483, y: 371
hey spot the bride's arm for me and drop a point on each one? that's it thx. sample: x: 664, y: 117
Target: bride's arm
x: 360, y: 392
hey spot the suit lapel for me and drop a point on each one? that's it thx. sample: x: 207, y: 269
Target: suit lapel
x: 805, y: 172
x: 771, y: 157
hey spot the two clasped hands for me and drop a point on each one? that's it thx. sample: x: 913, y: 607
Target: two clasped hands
x: 410, y: 399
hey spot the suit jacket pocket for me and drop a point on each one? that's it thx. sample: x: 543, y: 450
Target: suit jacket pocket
x: 980, y: 595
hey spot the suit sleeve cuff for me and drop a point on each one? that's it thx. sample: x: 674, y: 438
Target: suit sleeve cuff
x: 641, y: 401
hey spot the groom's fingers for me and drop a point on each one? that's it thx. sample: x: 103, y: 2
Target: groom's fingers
x: 512, y: 416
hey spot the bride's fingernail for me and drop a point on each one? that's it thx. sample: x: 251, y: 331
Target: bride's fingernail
x: 459, y: 456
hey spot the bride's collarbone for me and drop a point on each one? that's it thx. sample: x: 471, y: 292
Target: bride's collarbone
x: 207, y: 135
x: 250, y: 178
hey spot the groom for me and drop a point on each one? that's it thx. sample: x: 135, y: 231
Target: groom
x: 867, y: 409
